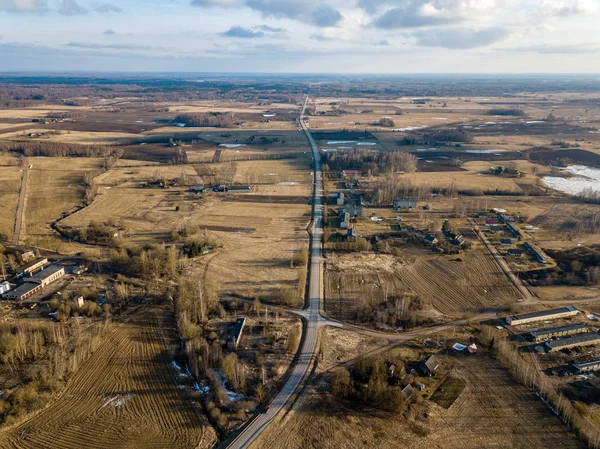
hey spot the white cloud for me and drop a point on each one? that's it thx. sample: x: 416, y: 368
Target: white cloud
x: 19, y: 6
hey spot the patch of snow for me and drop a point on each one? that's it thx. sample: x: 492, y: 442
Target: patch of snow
x: 585, y: 178
x: 269, y: 115
x: 426, y: 149
x: 341, y: 142
x: 181, y: 125
x: 367, y: 144
x: 531, y: 122
x: 201, y: 388
x: 232, y: 145
x: 483, y: 151
x: 410, y: 128
x: 232, y: 396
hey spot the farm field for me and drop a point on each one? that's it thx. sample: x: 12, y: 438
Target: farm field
x: 445, y: 286
x: 492, y: 411
x: 10, y: 185
x: 55, y: 187
x: 125, y: 395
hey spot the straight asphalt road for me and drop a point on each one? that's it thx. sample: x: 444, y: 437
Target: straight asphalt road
x: 309, y: 342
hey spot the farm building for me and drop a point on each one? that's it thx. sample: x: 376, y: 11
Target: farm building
x: 27, y: 256
x: 405, y: 203
x: 4, y: 287
x: 539, y: 256
x: 23, y: 291
x: 562, y: 331
x: 429, y: 366
x: 553, y: 314
x: 505, y: 242
x: 198, y: 188
x: 573, y: 342
x: 340, y: 199
x: 78, y: 301
x: 588, y: 366
x: 514, y: 252
x: 47, y: 276
x: 236, y: 334
x: 34, y: 266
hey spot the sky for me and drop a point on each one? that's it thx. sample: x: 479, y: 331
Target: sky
x: 301, y: 36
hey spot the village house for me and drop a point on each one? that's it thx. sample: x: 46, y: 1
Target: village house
x: 350, y: 174
x: 405, y: 203
x: 429, y: 366
x: 514, y: 252
x: 340, y: 199
x: 505, y: 242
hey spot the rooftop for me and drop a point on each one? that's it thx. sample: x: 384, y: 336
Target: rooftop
x: 23, y: 289
x: 542, y: 313
x: 52, y: 269
x: 577, y: 339
x: 587, y: 363
x: 553, y: 330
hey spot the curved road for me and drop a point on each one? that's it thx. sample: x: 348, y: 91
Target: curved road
x: 309, y: 345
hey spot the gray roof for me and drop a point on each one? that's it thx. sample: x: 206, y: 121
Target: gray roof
x: 588, y: 363
x: 45, y: 273
x: 555, y: 330
x: 543, y: 313
x: 576, y: 340
x: 22, y: 289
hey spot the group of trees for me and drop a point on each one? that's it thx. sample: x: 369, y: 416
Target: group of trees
x: 370, y: 382
x: 208, y: 119
x: 514, y: 112
x: 44, y: 356
x: 57, y: 149
x: 371, y: 161
x: 395, y: 186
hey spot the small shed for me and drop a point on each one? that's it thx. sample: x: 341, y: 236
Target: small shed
x: 78, y: 301
x: 236, y: 334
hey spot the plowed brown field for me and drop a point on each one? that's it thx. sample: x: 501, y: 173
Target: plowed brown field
x: 124, y: 396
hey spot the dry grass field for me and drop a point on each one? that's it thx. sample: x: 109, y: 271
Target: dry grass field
x: 444, y: 285
x: 125, y: 395
x: 10, y: 185
x: 492, y: 411
x: 55, y: 187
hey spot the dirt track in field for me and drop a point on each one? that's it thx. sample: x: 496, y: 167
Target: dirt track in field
x: 125, y: 396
